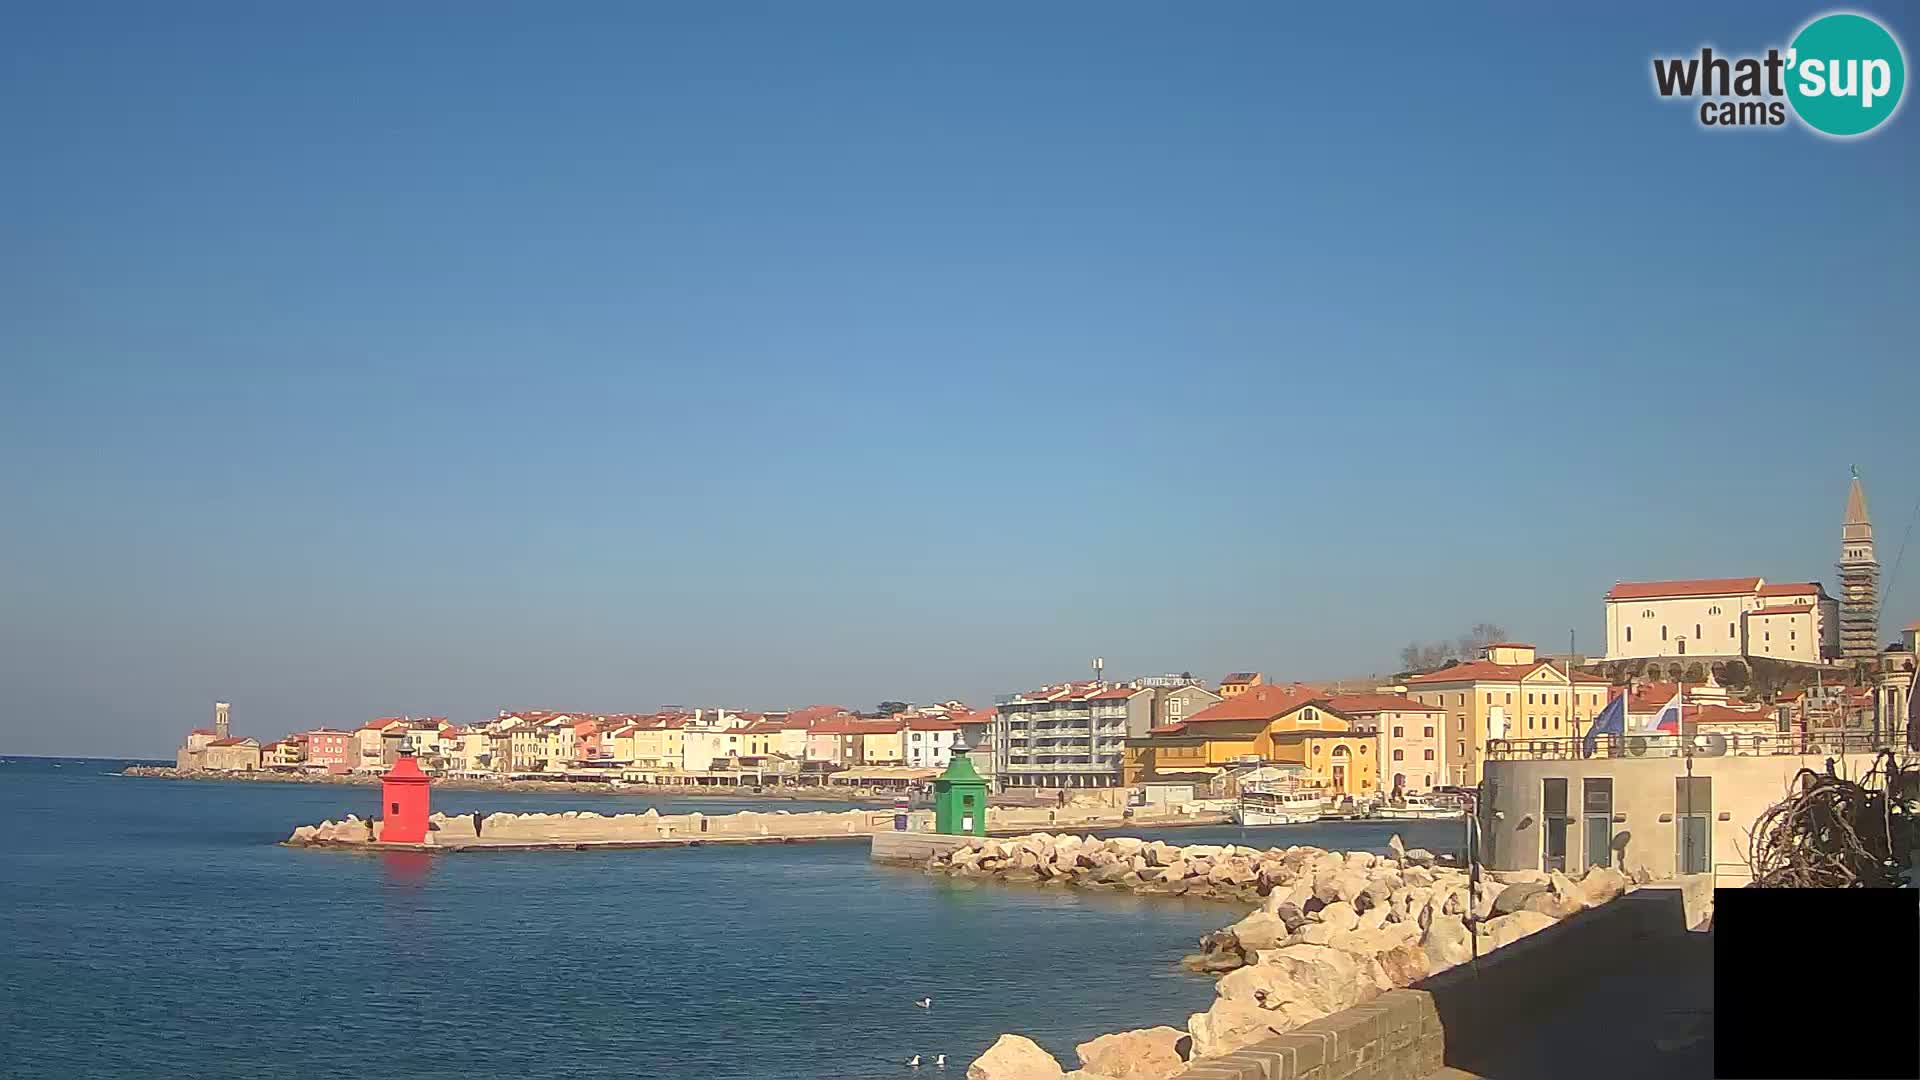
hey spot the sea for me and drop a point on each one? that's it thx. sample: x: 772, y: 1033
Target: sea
x: 156, y: 928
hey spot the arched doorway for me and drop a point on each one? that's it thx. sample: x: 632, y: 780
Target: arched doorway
x: 1341, y: 761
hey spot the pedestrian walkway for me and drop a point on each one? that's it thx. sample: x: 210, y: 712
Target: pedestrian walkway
x: 1650, y: 1021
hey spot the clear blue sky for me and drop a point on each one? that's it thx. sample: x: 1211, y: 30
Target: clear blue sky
x: 362, y: 361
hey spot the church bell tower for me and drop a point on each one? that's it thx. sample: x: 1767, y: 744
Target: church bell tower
x: 1859, y: 580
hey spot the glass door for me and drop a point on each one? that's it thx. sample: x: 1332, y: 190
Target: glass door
x: 1597, y: 805
x: 1553, y: 823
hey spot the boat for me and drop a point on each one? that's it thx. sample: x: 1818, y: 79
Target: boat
x: 1278, y: 807
x: 1421, y: 808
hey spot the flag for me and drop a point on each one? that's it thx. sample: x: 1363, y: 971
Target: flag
x: 1668, y: 718
x: 1611, y: 721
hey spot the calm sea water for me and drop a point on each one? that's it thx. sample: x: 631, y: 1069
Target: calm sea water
x: 154, y: 928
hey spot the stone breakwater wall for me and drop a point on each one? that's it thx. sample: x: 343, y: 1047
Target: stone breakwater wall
x: 1332, y: 931
x: 588, y: 827
x: 832, y: 793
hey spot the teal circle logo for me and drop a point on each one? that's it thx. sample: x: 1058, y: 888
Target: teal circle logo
x: 1845, y: 74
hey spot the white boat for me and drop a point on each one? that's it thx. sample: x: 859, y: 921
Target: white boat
x: 1419, y: 807
x: 1278, y: 808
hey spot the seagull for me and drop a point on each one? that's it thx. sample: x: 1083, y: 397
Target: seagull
x: 925, y: 1003
x: 913, y: 1062
x: 940, y: 1061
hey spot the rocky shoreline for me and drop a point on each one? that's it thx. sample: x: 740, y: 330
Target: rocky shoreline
x: 1332, y: 930
x: 549, y: 787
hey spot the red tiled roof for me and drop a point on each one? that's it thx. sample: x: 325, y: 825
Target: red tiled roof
x: 1488, y: 671
x: 203, y: 731
x: 983, y: 716
x: 1798, y: 609
x: 1655, y: 590
x: 813, y: 714
x: 1116, y: 693
x: 930, y: 723
x: 1262, y: 702
x: 1367, y: 703
x: 1791, y: 588
x: 235, y: 741
x: 764, y: 727
x: 1721, y: 714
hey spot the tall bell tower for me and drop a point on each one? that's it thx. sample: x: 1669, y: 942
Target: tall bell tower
x: 1859, y: 580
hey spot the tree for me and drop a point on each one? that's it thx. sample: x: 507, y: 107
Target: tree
x: 1481, y: 635
x: 893, y: 708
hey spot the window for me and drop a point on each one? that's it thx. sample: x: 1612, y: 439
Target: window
x: 1463, y: 748
x: 1714, y: 610
x: 1766, y: 635
x: 1629, y: 633
x: 1401, y: 732
x: 1556, y: 699
x: 1429, y: 732
x: 1429, y: 754
x: 1459, y: 723
x: 1463, y: 700
x: 1730, y: 630
x: 1793, y: 635
x: 1399, y: 755
x: 1696, y: 631
x: 1529, y: 699
x: 1429, y: 775
x: 1647, y: 614
x: 1663, y: 633
x: 1529, y: 721
x: 1509, y: 700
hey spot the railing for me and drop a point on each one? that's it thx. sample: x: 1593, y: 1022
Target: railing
x: 1704, y: 744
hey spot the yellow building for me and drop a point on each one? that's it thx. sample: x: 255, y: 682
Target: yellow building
x: 1263, y: 724
x: 659, y: 742
x: 1508, y: 693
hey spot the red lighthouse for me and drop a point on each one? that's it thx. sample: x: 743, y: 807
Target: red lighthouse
x: 403, y: 798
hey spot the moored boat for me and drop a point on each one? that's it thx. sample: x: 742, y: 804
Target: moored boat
x: 1421, y: 807
x: 1259, y: 807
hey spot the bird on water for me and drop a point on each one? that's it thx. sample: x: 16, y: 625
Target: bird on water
x: 914, y: 1061
x: 939, y: 1061
x: 925, y: 1003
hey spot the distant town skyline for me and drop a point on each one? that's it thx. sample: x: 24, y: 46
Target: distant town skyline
x: 640, y: 355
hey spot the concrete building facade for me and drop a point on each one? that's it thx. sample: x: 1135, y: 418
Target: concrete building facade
x: 1722, y: 618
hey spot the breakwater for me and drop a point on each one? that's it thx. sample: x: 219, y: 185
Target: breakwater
x: 586, y: 829
x: 834, y: 793
x: 1332, y: 930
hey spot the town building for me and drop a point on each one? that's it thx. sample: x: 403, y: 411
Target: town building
x: 1294, y: 725
x: 1893, y: 687
x: 285, y: 754
x: 1409, y: 744
x: 928, y: 742
x: 1722, y: 618
x: 1239, y: 682
x: 1070, y: 735
x: 231, y: 755
x: 1506, y: 692
x: 331, y: 750
x: 1859, y: 580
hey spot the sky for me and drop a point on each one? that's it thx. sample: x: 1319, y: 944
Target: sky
x: 440, y: 358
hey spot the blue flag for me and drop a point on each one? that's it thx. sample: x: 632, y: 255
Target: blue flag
x: 1611, y: 721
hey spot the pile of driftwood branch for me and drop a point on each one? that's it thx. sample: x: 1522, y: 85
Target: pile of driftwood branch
x: 1835, y: 833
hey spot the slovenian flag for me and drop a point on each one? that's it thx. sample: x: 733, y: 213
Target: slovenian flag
x: 1611, y: 721
x: 1668, y: 718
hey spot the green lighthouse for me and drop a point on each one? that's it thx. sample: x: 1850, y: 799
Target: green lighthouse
x: 960, y: 799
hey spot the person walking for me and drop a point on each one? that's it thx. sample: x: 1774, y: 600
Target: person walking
x: 476, y: 824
